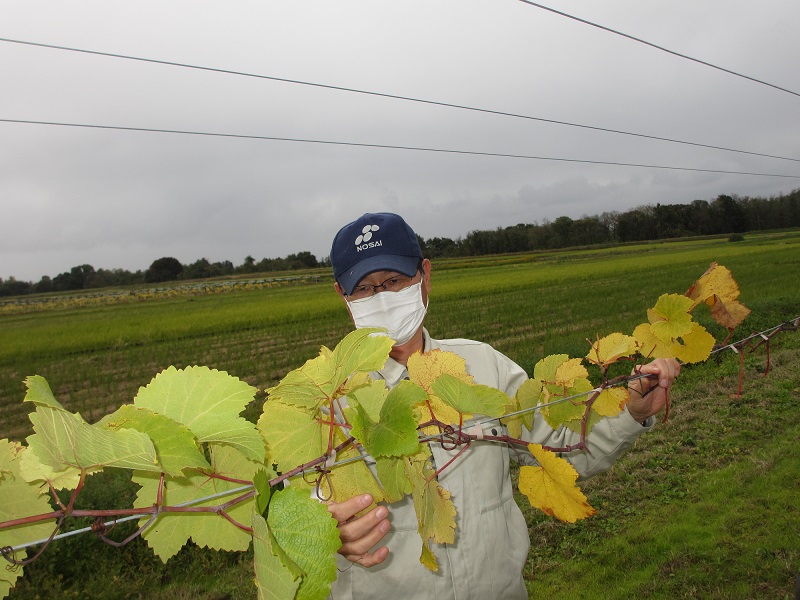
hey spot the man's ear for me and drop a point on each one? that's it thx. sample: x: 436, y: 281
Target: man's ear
x: 426, y: 275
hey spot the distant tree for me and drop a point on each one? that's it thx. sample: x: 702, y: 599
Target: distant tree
x: 302, y: 260
x: 44, y: 285
x: 12, y: 287
x: 163, y: 269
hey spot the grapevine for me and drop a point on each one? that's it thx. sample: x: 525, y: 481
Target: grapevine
x: 208, y: 475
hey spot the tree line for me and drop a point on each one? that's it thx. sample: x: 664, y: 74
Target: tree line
x: 723, y: 215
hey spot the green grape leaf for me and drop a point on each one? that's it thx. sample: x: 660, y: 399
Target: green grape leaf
x: 176, y: 446
x: 293, y: 434
x: 261, y: 483
x: 33, y: 470
x: 361, y: 350
x: 670, y: 318
x: 208, y: 402
x: 63, y: 440
x: 529, y: 395
x: 309, y: 535
x: 470, y: 398
x: 169, y: 532
x: 349, y: 479
x: 545, y: 369
x: 18, y: 499
x: 277, y: 575
x: 309, y: 386
x: 562, y: 412
x: 370, y: 398
x: 426, y: 367
x: 392, y: 474
x: 395, y: 433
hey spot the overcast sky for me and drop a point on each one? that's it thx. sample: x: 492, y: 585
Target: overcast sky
x: 121, y: 199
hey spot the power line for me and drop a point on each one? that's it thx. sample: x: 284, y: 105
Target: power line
x: 395, y: 97
x: 387, y: 147
x: 667, y: 50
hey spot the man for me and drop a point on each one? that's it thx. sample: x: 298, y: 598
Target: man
x: 385, y: 281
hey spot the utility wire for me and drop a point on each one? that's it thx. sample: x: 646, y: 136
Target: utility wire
x: 390, y: 147
x: 667, y: 50
x: 395, y: 97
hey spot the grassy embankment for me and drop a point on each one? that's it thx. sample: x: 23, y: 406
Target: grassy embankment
x: 706, y: 506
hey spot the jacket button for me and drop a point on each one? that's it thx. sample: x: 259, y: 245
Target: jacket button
x: 494, y: 431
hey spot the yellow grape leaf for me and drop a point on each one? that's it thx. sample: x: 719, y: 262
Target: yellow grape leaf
x: 611, y: 401
x: 436, y: 512
x: 424, y: 369
x: 696, y: 346
x: 551, y: 487
x: 308, y: 386
x: 717, y: 288
x: 568, y: 372
x: 428, y: 558
x: 670, y: 318
x: 609, y: 349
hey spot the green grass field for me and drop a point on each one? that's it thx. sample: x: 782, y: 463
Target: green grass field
x: 706, y: 506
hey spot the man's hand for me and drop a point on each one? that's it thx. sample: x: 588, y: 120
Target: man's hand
x: 643, y: 404
x: 359, y: 534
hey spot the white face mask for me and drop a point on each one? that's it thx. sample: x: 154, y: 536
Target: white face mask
x: 400, y: 313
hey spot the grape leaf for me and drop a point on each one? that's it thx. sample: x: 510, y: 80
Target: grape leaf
x: 529, y: 395
x: 696, y: 345
x: 466, y: 398
x: 169, y: 532
x: 435, y: 510
x: 208, y: 402
x: 551, y: 487
x: 424, y: 369
x: 395, y: 431
x: 361, y: 350
x: 277, y: 575
x: 63, y: 440
x: 293, y: 434
x: 309, y: 536
x: 569, y: 373
x: 18, y: 499
x: 670, y: 318
x: 717, y: 288
x: 176, y: 446
x: 392, y: 474
x: 351, y: 478
x: 609, y: 349
x: 611, y: 401
x: 309, y: 386
x: 545, y: 369
x: 558, y: 413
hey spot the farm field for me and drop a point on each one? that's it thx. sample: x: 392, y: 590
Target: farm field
x: 665, y: 525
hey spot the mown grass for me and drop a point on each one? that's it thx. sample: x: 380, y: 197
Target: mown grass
x: 666, y: 526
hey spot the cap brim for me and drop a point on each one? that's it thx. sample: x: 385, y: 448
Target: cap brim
x: 406, y: 265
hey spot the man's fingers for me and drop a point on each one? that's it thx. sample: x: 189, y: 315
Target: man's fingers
x: 344, y: 511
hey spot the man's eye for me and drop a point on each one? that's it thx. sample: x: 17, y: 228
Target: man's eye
x: 392, y: 281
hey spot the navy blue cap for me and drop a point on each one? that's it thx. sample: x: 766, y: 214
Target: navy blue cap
x: 374, y: 242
